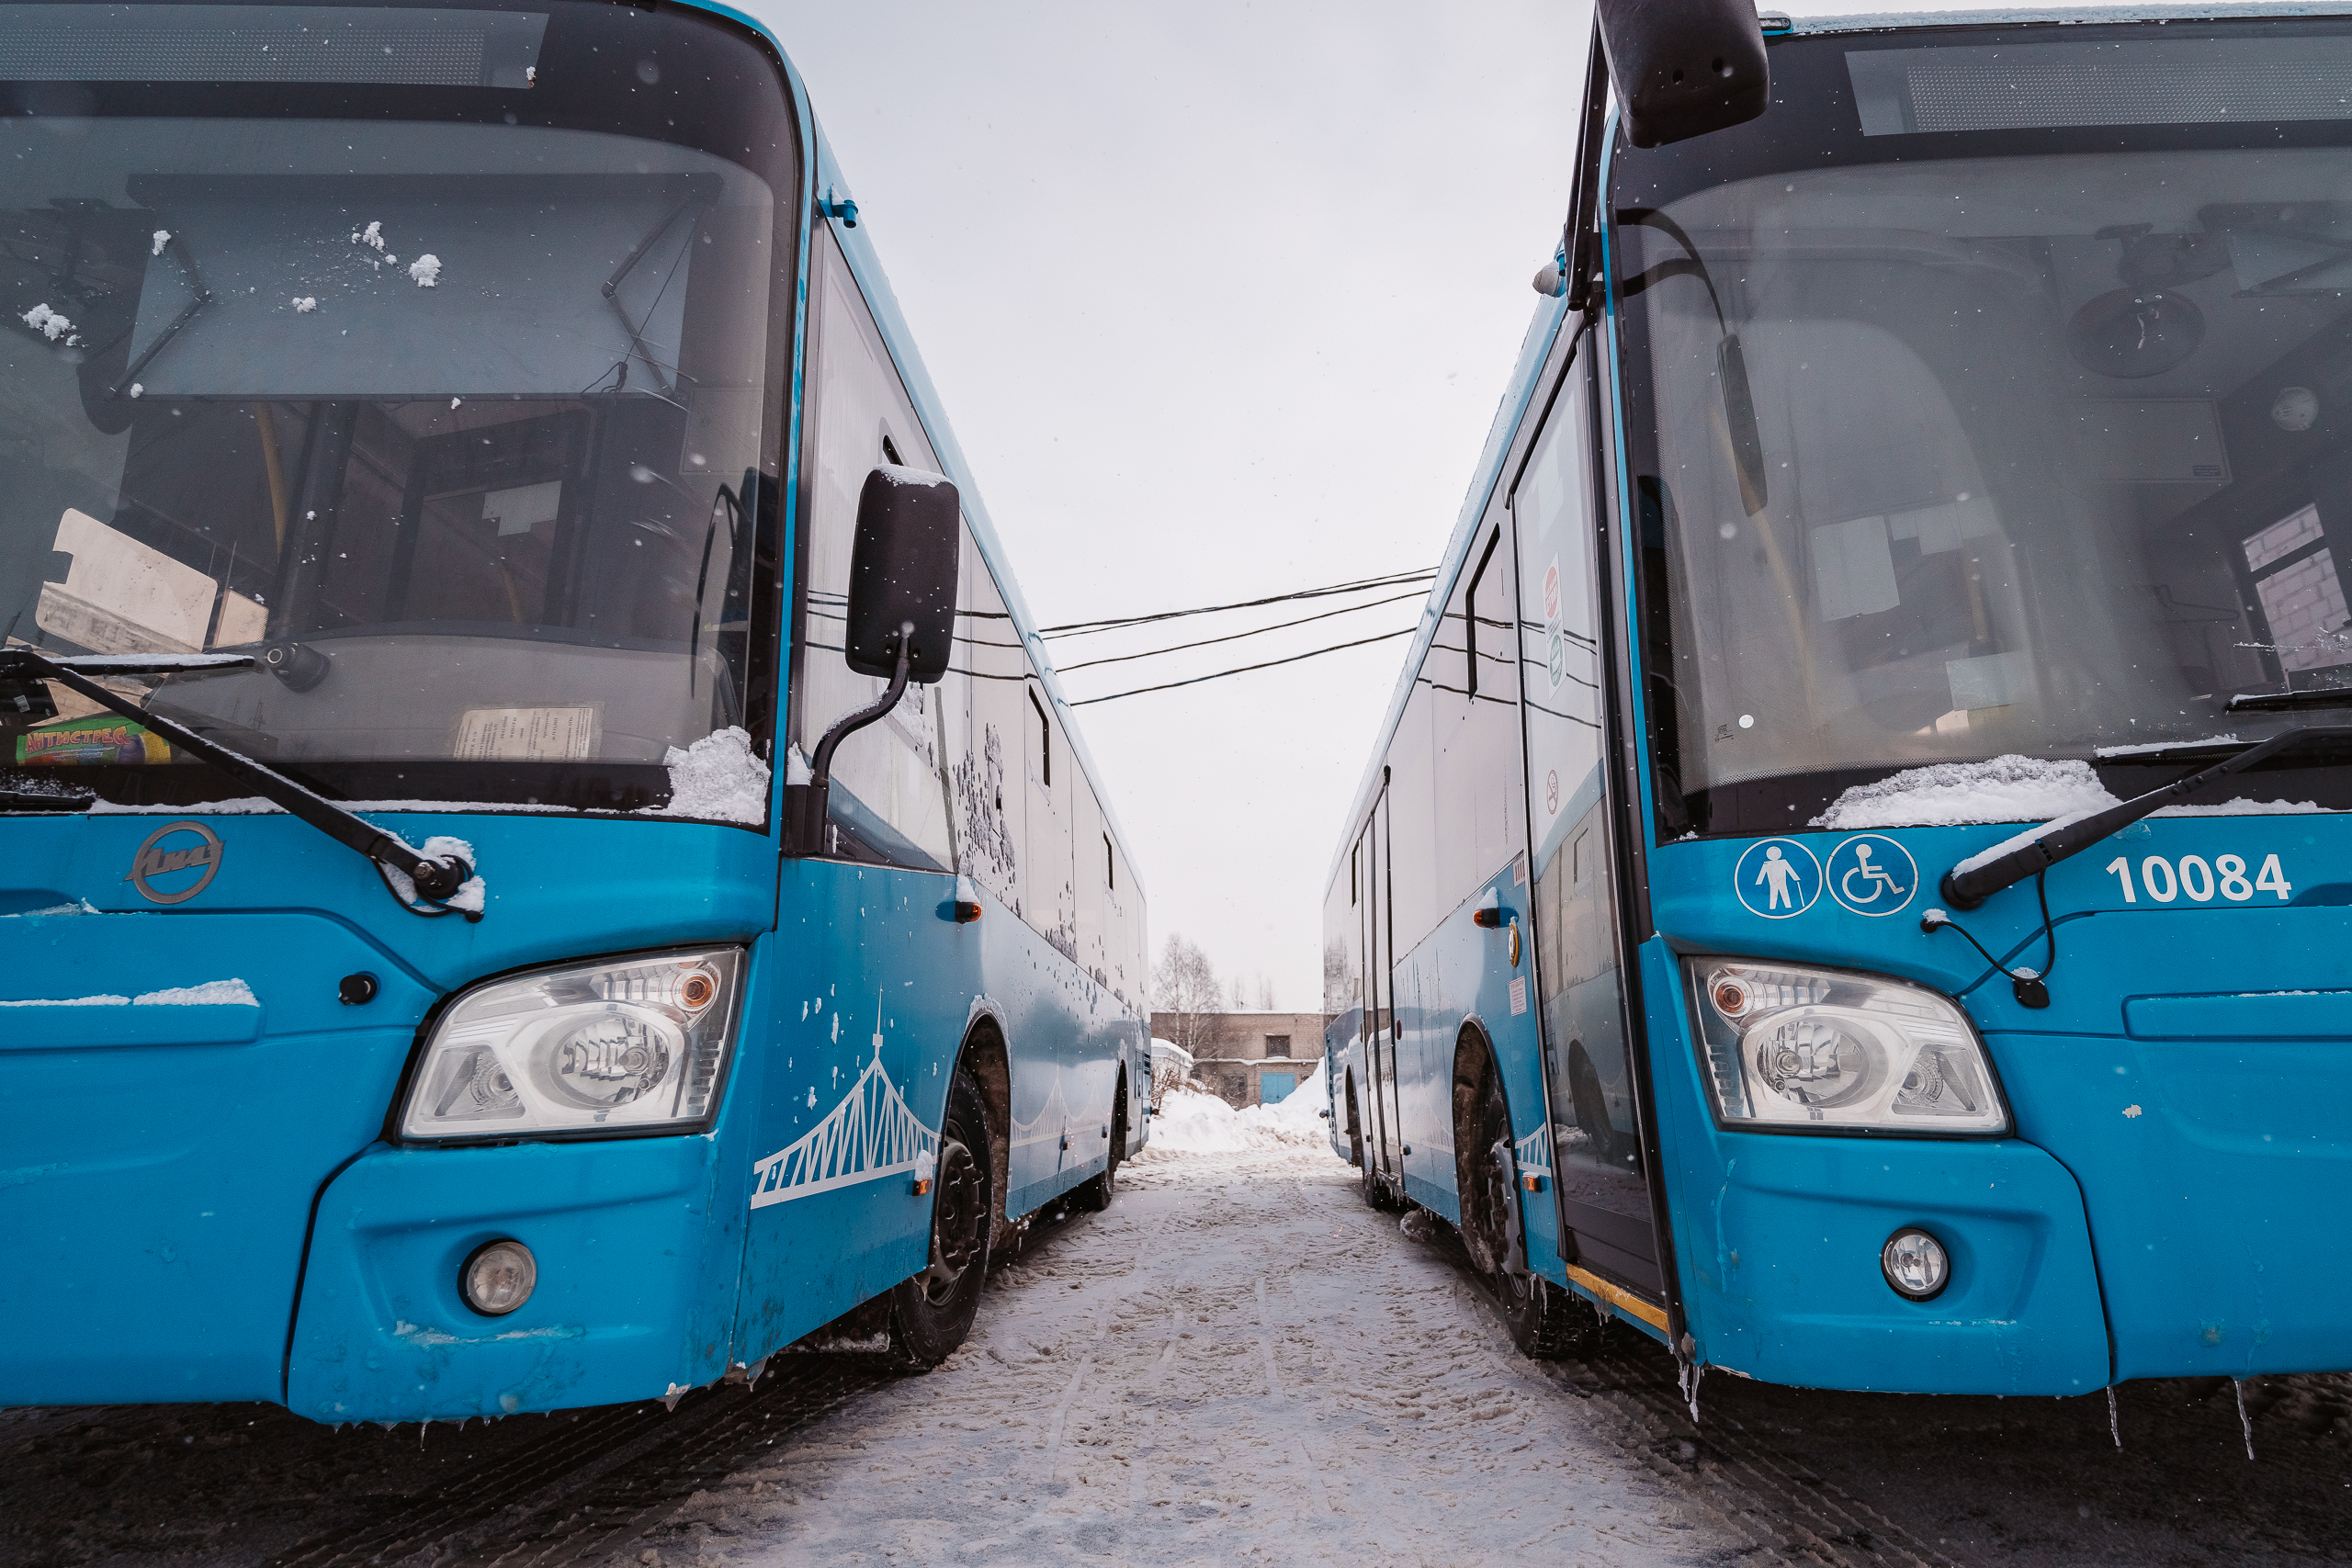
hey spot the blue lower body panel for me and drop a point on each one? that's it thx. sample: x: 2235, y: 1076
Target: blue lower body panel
x: 2215, y: 1172
x: 637, y: 1266
x: 1785, y: 1285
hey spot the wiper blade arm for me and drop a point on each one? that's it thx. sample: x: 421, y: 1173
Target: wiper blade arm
x: 435, y: 880
x: 1966, y: 888
x: 2290, y: 702
x: 151, y: 663
x: 188, y: 313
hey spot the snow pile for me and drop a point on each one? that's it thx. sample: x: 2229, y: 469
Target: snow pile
x: 2006, y: 789
x: 719, y: 778
x: 427, y: 270
x: 305, y: 303
x: 212, y: 993
x: 1195, y: 1123
x: 163, y: 238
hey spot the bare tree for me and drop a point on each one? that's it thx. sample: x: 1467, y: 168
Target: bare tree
x: 1265, y: 993
x: 1185, y: 984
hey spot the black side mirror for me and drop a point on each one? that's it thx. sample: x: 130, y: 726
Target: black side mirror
x: 903, y: 567
x: 902, y: 571
x: 1683, y: 68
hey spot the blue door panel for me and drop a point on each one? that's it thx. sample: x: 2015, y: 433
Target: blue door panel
x: 870, y: 991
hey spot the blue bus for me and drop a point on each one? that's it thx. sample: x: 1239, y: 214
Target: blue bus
x: 544, y: 860
x: 1846, y: 882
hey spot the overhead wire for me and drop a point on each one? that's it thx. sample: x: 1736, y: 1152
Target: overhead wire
x: 1244, y: 670
x: 1391, y: 579
x: 1236, y: 636
x: 1078, y: 628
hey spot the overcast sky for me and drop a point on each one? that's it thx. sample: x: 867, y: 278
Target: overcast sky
x: 1221, y: 299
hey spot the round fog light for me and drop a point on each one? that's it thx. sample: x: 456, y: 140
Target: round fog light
x: 1916, y: 1263
x: 499, y: 1277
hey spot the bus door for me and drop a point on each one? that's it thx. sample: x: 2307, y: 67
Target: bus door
x: 1596, y: 1130
x: 1384, y: 1143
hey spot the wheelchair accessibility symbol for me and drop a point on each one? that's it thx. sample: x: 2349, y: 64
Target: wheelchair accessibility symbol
x: 1777, y: 878
x: 1873, y: 875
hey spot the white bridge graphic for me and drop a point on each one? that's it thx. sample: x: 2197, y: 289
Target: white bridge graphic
x: 1535, y: 1151
x: 870, y: 1134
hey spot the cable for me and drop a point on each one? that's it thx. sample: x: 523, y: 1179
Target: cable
x: 1244, y: 670
x: 1236, y: 637
x: 1394, y: 580
x: 2032, y: 990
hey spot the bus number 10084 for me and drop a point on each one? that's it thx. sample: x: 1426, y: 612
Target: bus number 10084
x: 2199, y: 879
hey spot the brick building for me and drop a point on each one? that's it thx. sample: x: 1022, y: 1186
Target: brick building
x: 1251, y: 1058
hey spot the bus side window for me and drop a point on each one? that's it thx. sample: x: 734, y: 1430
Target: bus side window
x: 889, y: 800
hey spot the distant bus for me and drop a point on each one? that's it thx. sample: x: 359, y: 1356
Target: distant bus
x: 1953, y: 439
x: 544, y: 859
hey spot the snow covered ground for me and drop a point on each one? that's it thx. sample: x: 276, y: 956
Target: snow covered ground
x: 1238, y: 1363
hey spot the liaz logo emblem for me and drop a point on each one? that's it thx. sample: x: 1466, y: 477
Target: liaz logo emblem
x: 168, y: 859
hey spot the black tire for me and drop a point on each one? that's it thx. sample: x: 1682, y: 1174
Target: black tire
x: 1094, y: 1196
x: 933, y: 1310
x: 1547, y: 1322
x: 1489, y: 1206
x: 1377, y: 1195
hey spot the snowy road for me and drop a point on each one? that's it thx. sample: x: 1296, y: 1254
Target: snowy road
x: 1240, y: 1362
x: 1237, y: 1363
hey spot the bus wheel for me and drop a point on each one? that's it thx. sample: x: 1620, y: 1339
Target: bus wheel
x: 1375, y: 1191
x: 1546, y: 1323
x: 932, y: 1312
x: 1094, y: 1196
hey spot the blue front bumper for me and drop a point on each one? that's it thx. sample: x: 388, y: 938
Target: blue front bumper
x: 636, y: 1265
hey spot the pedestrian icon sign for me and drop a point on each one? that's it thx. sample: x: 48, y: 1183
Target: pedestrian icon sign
x: 1778, y: 878
x: 1873, y: 874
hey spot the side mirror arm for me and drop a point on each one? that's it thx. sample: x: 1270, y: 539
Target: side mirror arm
x: 805, y: 805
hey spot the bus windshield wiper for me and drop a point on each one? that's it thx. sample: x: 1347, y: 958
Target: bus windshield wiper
x: 2290, y: 702
x: 178, y: 246
x: 1977, y: 878
x: 435, y: 880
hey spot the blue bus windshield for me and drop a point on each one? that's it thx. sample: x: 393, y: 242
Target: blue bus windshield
x: 2000, y: 447
x: 461, y: 418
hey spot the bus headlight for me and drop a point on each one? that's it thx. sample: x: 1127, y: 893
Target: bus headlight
x: 628, y: 1045
x: 1823, y: 1049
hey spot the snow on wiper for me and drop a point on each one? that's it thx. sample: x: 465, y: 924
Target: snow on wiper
x: 2164, y: 751
x: 2290, y: 702
x: 1978, y: 878
x: 43, y: 794
x: 148, y: 664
